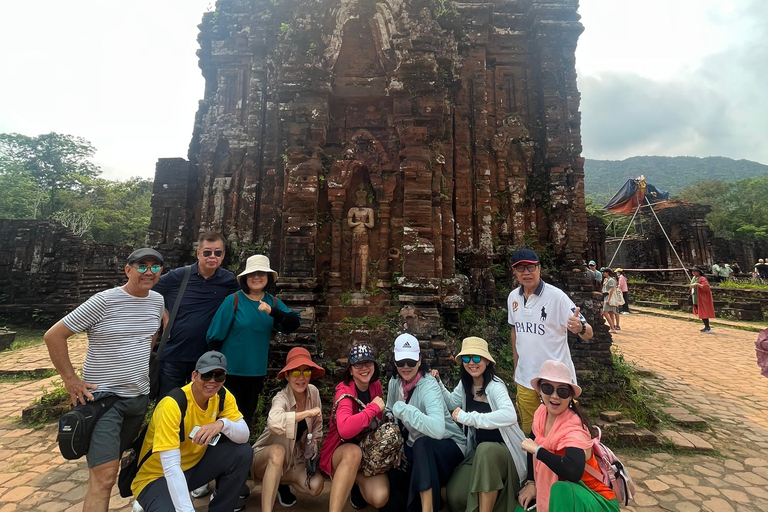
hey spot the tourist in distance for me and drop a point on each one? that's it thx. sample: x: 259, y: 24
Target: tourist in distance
x: 559, y: 450
x: 288, y: 446
x: 736, y: 269
x: 624, y: 289
x: 209, y: 284
x: 341, y: 459
x: 701, y: 296
x: 214, y: 446
x: 433, y: 445
x: 716, y: 272
x: 595, y: 275
x: 241, y: 330
x: 489, y: 477
x: 541, y: 317
x: 121, y: 324
x: 725, y: 271
x: 611, y: 296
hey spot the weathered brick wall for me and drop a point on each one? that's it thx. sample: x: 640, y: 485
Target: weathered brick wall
x: 46, y: 271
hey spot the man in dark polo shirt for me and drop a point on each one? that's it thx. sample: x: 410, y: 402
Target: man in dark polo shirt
x: 208, y: 286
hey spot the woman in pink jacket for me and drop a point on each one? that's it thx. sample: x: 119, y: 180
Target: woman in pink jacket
x: 340, y: 455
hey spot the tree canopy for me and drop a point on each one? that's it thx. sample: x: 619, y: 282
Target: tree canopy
x: 739, y: 208
x: 52, y: 176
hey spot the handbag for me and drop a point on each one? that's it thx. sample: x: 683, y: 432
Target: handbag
x: 156, y: 354
x: 380, y: 442
x: 76, y: 426
x: 616, y: 300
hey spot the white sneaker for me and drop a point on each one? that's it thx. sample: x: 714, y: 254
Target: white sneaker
x: 201, y: 491
x: 136, y: 507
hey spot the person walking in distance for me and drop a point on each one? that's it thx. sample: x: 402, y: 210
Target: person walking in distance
x: 536, y: 338
x: 624, y: 289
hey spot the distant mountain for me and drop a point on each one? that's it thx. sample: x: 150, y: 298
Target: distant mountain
x: 603, y: 178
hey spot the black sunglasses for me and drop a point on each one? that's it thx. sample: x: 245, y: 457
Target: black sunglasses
x: 531, y: 267
x: 563, y: 391
x: 218, y: 376
x: 410, y: 363
x: 218, y: 253
x: 474, y: 359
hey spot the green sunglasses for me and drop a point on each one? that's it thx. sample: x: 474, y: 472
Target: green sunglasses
x: 142, y: 267
x: 474, y: 359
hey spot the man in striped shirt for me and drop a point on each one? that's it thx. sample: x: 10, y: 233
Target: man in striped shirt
x: 121, y: 325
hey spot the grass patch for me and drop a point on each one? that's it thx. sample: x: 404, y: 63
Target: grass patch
x: 26, y: 336
x: 632, y: 398
x: 20, y: 376
x: 742, y: 284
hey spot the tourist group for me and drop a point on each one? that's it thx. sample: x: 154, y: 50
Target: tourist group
x: 423, y: 447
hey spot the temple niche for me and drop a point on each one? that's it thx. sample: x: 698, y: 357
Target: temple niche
x: 388, y: 156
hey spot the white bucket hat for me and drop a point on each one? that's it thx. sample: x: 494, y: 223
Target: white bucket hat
x: 257, y: 263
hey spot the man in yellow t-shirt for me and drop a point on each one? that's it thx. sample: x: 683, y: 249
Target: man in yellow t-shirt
x: 215, y: 445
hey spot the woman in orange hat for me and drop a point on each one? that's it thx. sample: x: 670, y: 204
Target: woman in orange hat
x: 285, y: 455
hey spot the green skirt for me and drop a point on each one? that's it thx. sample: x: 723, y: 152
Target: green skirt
x: 577, y: 497
x: 489, y: 468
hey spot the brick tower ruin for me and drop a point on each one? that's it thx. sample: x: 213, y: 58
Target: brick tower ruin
x: 388, y: 157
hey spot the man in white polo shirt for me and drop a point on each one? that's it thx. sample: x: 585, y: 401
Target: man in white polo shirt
x: 540, y: 316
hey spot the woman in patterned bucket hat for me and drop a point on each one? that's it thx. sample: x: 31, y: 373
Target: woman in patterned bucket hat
x: 341, y: 459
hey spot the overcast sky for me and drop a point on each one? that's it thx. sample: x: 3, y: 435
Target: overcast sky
x: 657, y: 77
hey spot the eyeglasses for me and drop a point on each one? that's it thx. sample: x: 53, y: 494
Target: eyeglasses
x: 217, y: 376
x: 562, y: 392
x: 258, y: 273
x: 362, y: 364
x: 142, y: 267
x: 218, y: 253
x: 474, y: 359
x: 410, y: 363
x: 298, y: 373
x: 531, y: 267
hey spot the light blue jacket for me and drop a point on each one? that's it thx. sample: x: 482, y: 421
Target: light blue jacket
x: 502, y: 417
x: 425, y: 414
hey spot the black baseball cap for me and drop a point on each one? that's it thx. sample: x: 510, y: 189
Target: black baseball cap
x: 524, y: 256
x: 146, y: 252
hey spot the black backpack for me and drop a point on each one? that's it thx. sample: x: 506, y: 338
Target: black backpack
x: 130, y: 464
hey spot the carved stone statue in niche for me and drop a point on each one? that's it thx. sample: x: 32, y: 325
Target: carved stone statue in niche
x: 361, y: 220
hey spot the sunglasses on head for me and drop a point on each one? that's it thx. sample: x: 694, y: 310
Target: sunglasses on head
x: 410, y: 363
x: 298, y: 373
x: 474, y: 359
x: 362, y: 364
x: 562, y: 391
x: 218, y: 253
x: 531, y: 267
x: 218, y: 376
x: 142, y: 267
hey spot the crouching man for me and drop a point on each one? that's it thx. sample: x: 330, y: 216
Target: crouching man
x: 174, y: 466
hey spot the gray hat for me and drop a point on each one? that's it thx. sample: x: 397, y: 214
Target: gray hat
x: 211, y: 360
x: 146, y: 252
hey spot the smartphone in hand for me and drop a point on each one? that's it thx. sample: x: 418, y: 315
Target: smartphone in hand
x: 212, y: 442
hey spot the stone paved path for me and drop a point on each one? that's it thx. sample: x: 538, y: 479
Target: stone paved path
x: 713, y: 376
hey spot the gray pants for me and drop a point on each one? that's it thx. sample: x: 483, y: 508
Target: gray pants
x: 228, y: 463
x: 116, y: 430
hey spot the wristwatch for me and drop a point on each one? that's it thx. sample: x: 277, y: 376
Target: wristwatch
x: 583, y: 328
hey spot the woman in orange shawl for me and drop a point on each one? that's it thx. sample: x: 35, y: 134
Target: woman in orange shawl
x: 559, y: 449
x: 701, y: 295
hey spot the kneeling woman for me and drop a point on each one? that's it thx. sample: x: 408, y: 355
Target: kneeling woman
x: 559, y: 447
x: 281, y: 453
x: 489, y: 478
x: 341, y: 459
x: 433, y: 444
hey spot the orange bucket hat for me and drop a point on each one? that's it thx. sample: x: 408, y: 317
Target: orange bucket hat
x: 298, y: 357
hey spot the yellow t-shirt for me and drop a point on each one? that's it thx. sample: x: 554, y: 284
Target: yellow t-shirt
x: 163, y: 433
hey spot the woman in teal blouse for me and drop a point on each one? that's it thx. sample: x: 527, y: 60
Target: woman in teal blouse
x: 241, y: 330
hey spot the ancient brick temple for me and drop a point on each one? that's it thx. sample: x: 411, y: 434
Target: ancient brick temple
x: 386, y: 155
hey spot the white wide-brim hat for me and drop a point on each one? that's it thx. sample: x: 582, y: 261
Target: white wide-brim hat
x: 257, y: 263
x: 557, y: 372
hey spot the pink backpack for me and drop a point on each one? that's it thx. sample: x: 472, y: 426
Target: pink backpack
x: 612, y: 471
x: 761, y: 347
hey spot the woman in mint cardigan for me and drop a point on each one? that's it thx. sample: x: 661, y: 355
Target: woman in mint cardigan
x: 242, y: 328
x: 433, y: 445
x: 489, y: 478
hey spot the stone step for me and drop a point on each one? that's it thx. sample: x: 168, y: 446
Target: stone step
x: 683, y: 417
x: 657, y: 305
x: 687, y: 441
